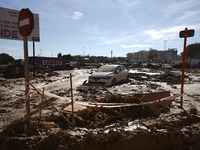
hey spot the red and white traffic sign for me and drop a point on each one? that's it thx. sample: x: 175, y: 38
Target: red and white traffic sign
x: 25, y: 22
x: 25, y: 26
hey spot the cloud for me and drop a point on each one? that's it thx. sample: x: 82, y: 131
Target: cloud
x: 77, y: 15
x: 91, y: 29
x: 179, y: 7
x: 170, y: 33
x: 10, y: 48
x: 106, y: 41
x: 135, y: 45
x: 128, y: 4
x: 155, y: 35
x: 189, y: 15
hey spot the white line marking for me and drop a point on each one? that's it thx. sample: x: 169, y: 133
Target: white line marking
x: 24, y: 22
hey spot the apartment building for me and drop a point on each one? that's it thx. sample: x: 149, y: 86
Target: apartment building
x: 166, y: 55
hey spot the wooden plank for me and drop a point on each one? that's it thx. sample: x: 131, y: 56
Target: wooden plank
x: 148, y: 97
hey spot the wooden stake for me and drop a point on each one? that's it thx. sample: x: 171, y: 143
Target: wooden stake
x: 72, y: 101
x: 26, y: 67
x: 52, y: 106
x: 27, y: 99
x: 41, y: 106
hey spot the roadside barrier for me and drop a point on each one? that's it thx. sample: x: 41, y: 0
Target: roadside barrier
x: 109, y: 105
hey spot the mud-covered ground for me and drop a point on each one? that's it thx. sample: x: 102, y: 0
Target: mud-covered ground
x: 136, y: 127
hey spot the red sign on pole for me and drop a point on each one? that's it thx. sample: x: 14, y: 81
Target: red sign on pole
x: 25, y: 22
x: 25, y: 26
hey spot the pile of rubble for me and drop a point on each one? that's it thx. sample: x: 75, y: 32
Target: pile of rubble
x: 17, y: 71
x: 168, y: 77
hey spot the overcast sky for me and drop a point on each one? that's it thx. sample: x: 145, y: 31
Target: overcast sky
x: 95, y: 27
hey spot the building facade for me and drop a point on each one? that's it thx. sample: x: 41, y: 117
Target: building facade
x: 49, y: 62
x: 165, y: 55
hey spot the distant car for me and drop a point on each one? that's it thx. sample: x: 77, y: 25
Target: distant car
x: 166, y: 67
x: 153, y: 65
x: 69, y: 67
x: 110, y: 75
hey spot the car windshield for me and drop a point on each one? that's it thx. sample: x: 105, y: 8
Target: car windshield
x: 106, y: 69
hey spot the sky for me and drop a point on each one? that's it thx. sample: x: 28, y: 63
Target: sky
x: 95, y: 27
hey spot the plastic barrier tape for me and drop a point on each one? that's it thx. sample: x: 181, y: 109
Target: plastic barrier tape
x: 109, y: 105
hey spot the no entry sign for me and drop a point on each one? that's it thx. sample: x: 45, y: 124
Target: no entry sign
x: 25, y: 22
x: 9, y: 25
x: 25, y: 26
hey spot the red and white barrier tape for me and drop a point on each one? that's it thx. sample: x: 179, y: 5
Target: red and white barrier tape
x: 110, y: 105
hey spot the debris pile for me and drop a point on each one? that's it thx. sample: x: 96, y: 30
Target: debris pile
x: 14, y: 71
x: 156, y: 135
x: 168, y: 76
x: 17, y: 71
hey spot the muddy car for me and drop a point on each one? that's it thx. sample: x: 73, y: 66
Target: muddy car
x: 110, y: 75
x: 166, y: 67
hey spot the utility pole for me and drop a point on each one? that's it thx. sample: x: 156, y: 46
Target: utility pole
x: 33, y: 59
x: 83, y: 51
x: 40, y: 52
x: 165, y: 41
x: 111, y: 53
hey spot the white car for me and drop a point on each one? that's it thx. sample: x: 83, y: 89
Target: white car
x: 110, y: 75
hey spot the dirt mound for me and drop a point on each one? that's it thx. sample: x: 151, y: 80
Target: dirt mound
x: 17, y: 71
x: 18, y: 127
x: 54, y: 138
x: 138, y: 140
x: 168, y: 76
x: 96, y: 93
x: 101, y: 128
x: 14, y: 71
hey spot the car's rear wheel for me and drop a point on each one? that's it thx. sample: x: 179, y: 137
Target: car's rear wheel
x: 127, y: 78
x: 113, y: 82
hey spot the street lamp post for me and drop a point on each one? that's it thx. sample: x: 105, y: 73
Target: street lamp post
x: 83, y: 51
x: 165, y: 41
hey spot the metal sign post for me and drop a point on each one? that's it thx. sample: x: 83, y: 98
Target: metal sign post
x: 25, y: 26
x: 185, y: 33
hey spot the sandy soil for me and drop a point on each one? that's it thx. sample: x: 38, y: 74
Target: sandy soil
x: 101, y: 128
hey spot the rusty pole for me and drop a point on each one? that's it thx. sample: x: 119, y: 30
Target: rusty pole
x: 183, y: 67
